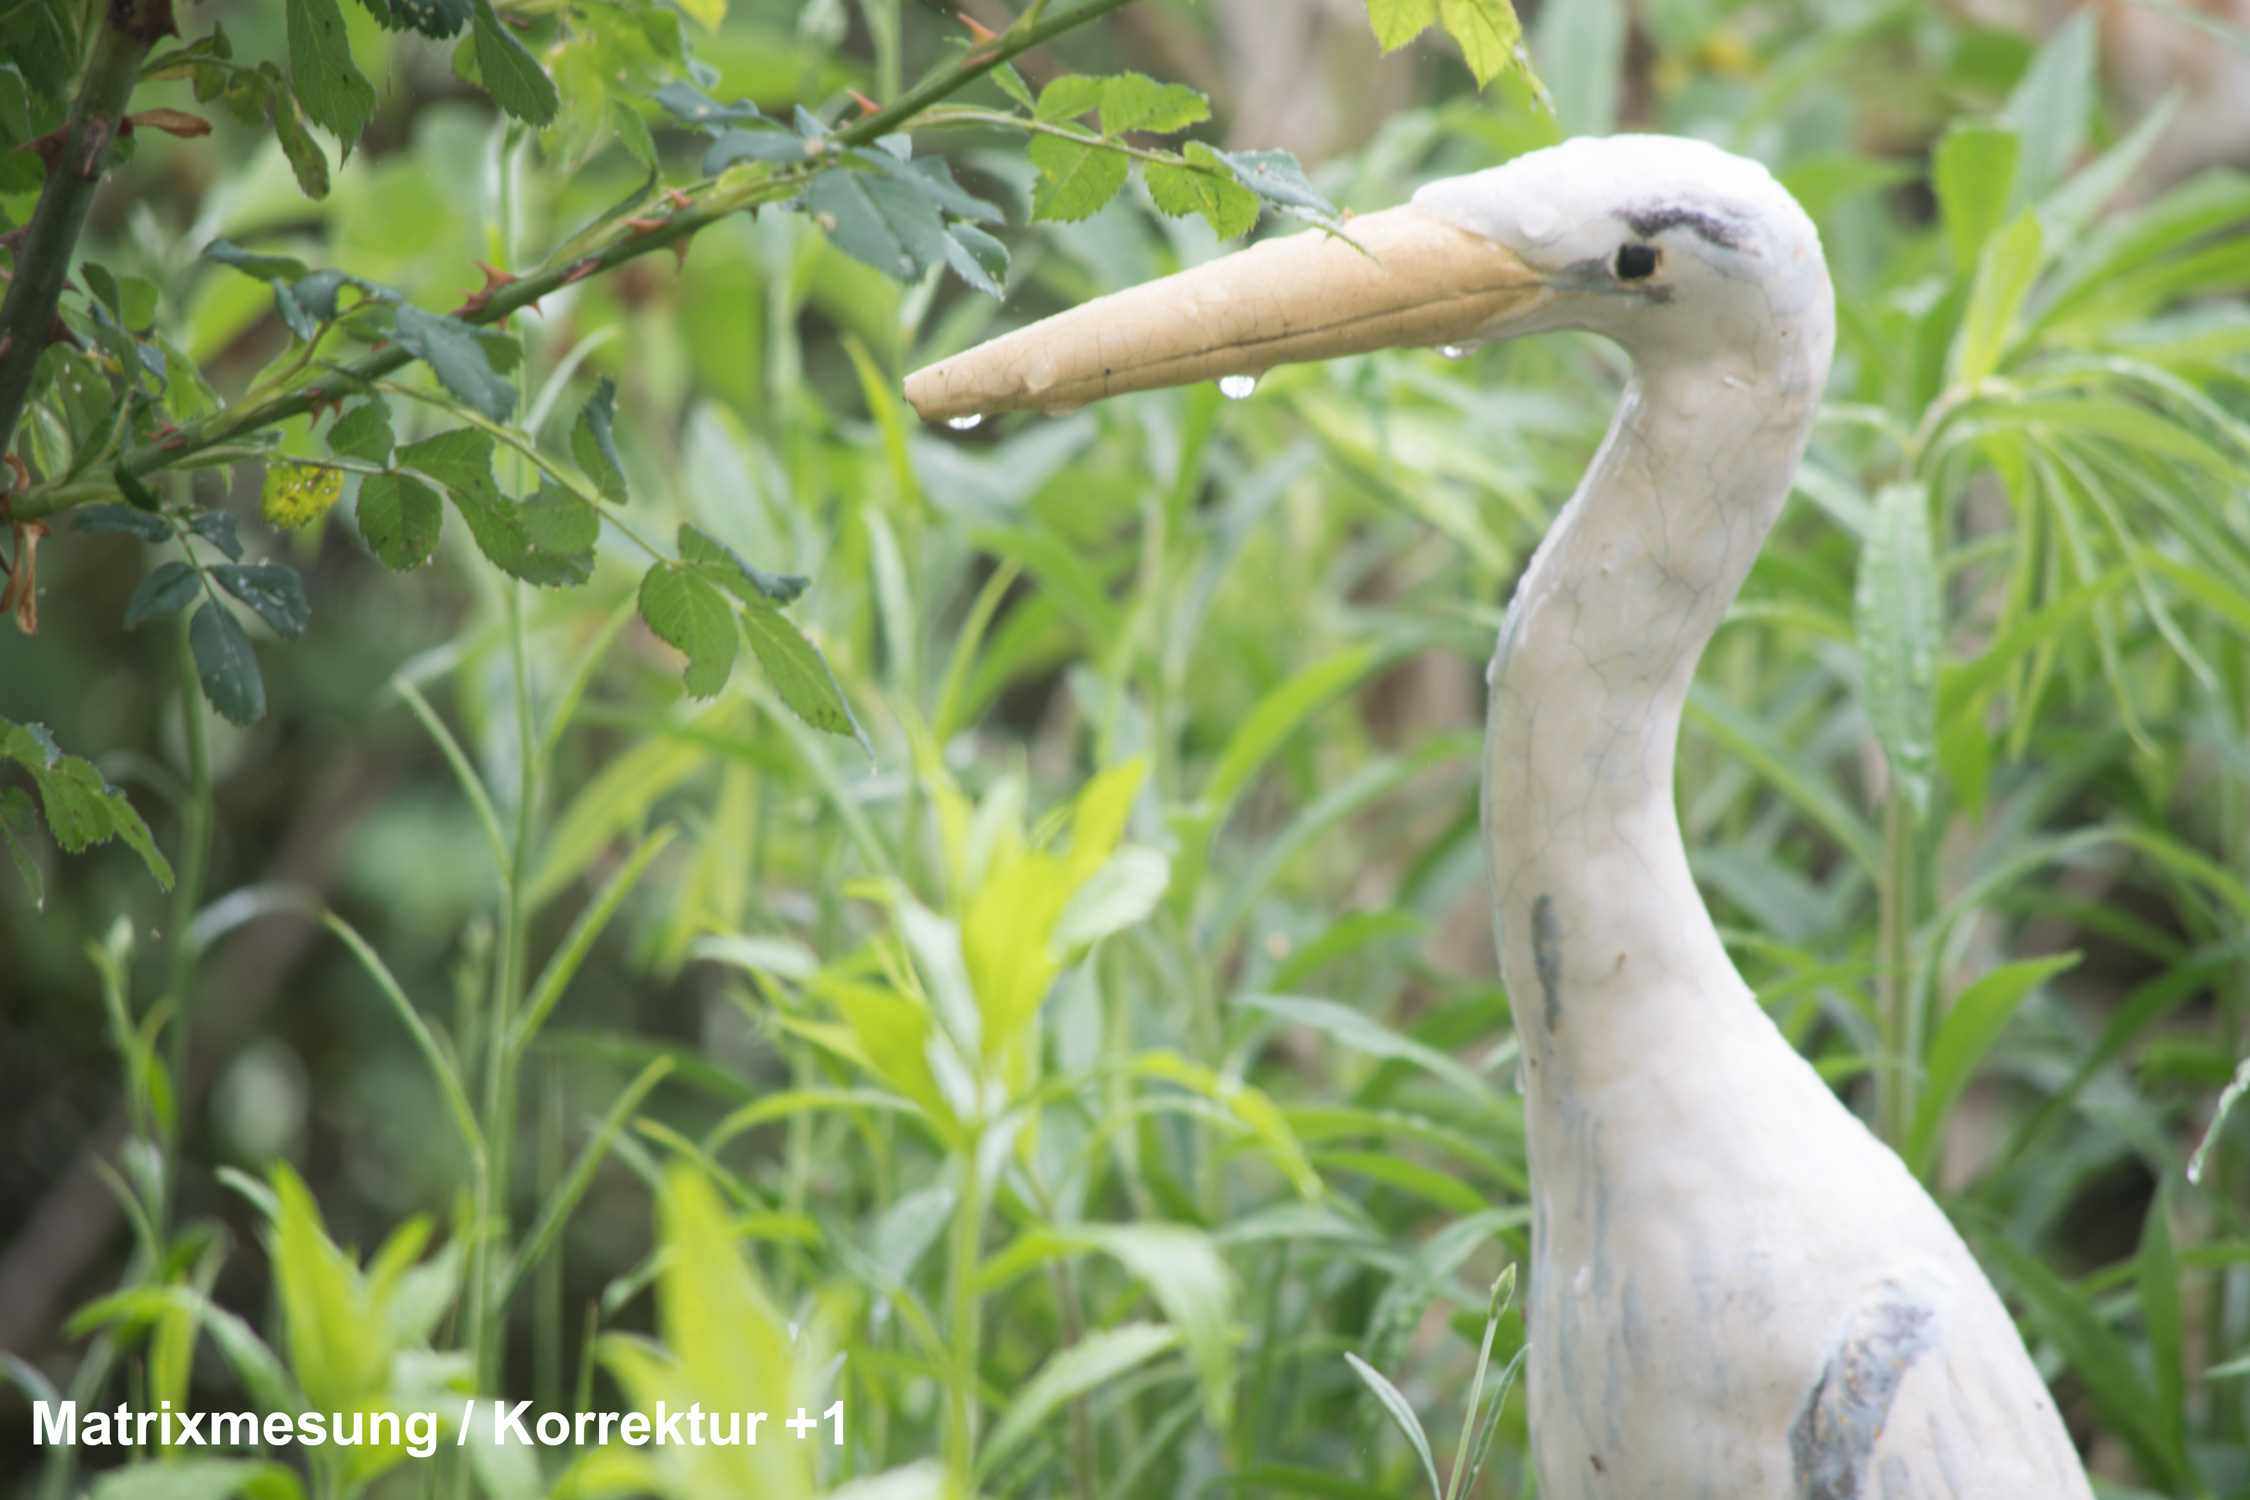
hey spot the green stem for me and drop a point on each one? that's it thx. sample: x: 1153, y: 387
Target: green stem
x: 74, y: 172
x: 964, y: 1330
x: 1902, y: 1016
x: 195, y: 855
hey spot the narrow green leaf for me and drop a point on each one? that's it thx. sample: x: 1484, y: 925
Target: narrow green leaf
x: 1899, y: 626
x: 1401, y: 1412
x: 1973, y: 170
x: 1277, y: 715
x: 2157, y: 1273
x: 2004, y: 277
x: 1970, y: 1028
x: 1346, y: 1026
x: 252, y: 263
x: 2051, y: 107
x: 1184, y: 1272
x: 328, y: 83
x: 512, y: 75
x: 126, y: 518
x: 227, y: 664
x: 17, y: 820
x: 306, y: 159
x: 1100, y: 1357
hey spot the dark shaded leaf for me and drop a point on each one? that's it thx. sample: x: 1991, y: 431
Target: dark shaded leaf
x: 1276, y: 177
x: 456, y: 356
x: 432, y: 18
x: 690, y: 104
x: 82, y: 808
x: 103, y: 286
x: 799, y: 673
x: 306, y: 159
x: 170, y: 587
x: 17, y: 819
x: 252, y: 263
x: 149, y: 528
x: 512, y: 75
x: 363, y: 432
x: 977, y: 258
x: 775, y: 144
x: 400, y: 518
x: 274, y: 591
x: 227, y: 664
x: 879, y: 220
x: 934, y: 180
x: 217, y: 528
x: 688, y: 612
x: 594, y: 444
x: 329, y: 84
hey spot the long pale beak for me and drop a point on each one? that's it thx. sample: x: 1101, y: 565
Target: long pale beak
x: 1412, y: 280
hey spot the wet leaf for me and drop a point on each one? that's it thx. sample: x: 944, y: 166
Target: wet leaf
x: 170, y: 587
x: 400, y: 519
x: 275, y: 592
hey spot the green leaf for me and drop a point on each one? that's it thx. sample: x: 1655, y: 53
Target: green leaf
x: 2051, y: 106
x: 559, y: 522
x: 1488, y: 33
x: 227, y: 665
x: 2004, y: 277
x: 1133, y: 101
x: 400, y: 518
x: 274, y: 591
x: 1900, y: 623
x: 1970, y: 1028
x: 455, y: 354
x: 722, y: 565
x: 136, y: 493
x: 1076, y: 178
x: 1011, y: 83
x: 1184, y: 1272
x: 1401, y: 1412
x: 17, y: 819
x: 339, y: 1348
x: 2157, y: 1273
x: 1206, y: 185
x: 511, y: 75
x: 363, y: 432
x: 1098, y: 1358
x: 687, y: 611
x: 197, y: 1479
x: 1071, y: 96
x: 172, y: 586
x: 1276, y: 177
x: 876, y: 218
x: 800, y: 674
x: 82, y: 808
x: 328, y: 83
x: 1581, y: 51
x: 1973, y: 171
x: 1398, y: 22
x: 217, y: 527
x: 251, y: 263
x: 594, y: 445
x: 461, y: 461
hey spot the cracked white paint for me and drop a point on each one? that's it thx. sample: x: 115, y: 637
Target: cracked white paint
x: 1737, y: 1292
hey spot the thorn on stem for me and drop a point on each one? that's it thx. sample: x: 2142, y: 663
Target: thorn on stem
x: 867, y: 105
x: 978, y: 29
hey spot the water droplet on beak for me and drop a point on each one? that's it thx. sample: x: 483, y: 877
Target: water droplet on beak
x: 1237, y: 387
x: 1453, y: 351
x: 963, y: 424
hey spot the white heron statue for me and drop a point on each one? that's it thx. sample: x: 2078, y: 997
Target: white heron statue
x: 1737, y: 1291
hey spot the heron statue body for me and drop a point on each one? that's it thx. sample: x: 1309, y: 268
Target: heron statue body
x: 1737, y: 1291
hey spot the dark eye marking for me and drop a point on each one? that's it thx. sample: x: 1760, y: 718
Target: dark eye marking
x: 1636, y: 262
x: 1651, y: 222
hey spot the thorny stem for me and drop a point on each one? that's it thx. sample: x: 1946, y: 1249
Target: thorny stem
x: 74, y: 172
x: 575, y: 261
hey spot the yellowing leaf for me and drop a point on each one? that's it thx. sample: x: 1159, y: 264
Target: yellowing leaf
x: 1398, y: 22
x: 1488, y: 33
x: 299, y: 494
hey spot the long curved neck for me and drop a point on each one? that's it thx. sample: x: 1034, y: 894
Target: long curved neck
x: 1605, y: 943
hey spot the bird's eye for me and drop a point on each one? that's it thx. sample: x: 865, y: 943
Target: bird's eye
x: 1636, y: 262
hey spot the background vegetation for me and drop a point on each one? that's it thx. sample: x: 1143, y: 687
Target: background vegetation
x: 1041, y: 995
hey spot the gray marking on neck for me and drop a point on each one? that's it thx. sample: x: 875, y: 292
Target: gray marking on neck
x: 1546, y: 956
x: 1832, y: 1442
